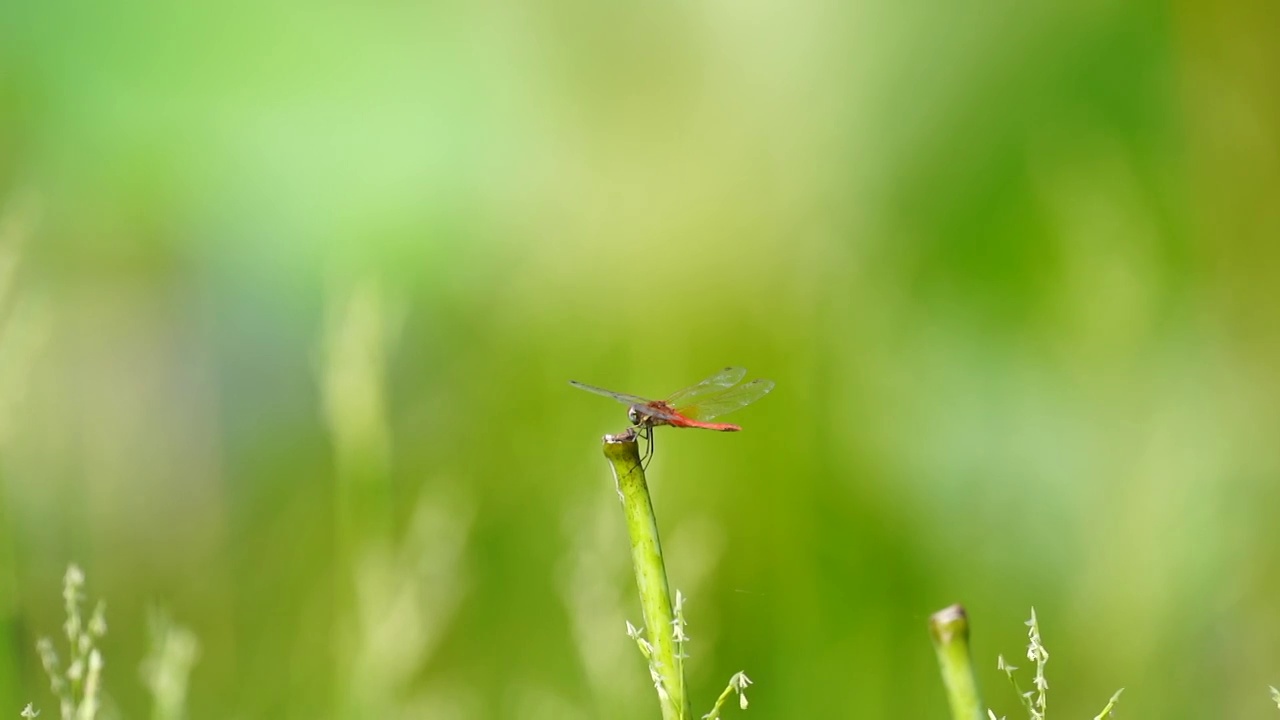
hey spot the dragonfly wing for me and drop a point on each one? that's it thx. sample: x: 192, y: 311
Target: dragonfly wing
x: 726, y: 401
x: 623, y: 398
x: 717, y: 383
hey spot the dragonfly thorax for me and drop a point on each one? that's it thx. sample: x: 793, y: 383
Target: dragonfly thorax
x: 650, y: 414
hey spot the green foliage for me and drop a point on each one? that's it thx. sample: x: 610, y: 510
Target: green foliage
x: 289, y: 293
x: 78, y: 687
x: 664, y: 650
x: 1035, y: 701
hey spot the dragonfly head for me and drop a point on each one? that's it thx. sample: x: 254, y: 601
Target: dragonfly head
x: 633, y: 414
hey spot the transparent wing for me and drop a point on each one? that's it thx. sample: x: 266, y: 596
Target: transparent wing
x: 726, y: 400
x: 623, y: 398
x: 726, y: 378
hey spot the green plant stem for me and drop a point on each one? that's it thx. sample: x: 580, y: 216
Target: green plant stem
x: 950, y: 630
x: 1109, y: 710
x: 651, y: 574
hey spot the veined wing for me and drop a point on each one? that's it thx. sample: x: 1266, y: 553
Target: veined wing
x: 726, y: 400
x: 718, y: 382
x: 623, y: 398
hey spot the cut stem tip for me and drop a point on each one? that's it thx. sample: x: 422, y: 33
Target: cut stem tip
x: 950, y: 630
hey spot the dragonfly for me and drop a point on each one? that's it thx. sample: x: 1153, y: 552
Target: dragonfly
x: 692, y: 407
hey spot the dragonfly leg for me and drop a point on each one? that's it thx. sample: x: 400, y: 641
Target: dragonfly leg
x: 646, y: 431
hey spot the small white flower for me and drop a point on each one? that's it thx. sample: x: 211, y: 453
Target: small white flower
x: 98, y: 621
x: 678, y: 625
x: 657, y: 682
x: 74, y: 577
x: 740, y: 683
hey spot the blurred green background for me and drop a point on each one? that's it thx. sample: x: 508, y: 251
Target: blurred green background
x: 291, y: 292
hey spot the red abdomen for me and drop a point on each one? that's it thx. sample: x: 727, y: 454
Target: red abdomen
x: 681, y: 421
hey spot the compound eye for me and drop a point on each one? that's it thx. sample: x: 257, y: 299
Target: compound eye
x: 633, y: 416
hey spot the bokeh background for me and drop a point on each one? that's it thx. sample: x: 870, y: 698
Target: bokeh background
x: 291, y: 293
